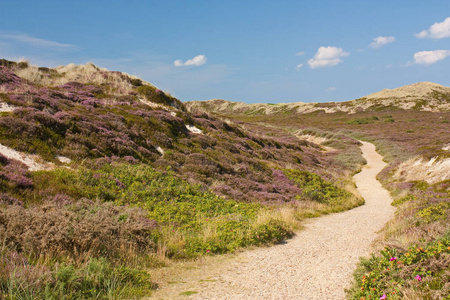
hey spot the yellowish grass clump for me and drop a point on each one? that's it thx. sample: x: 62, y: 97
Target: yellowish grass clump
x: 417, y: 168
x: 115, y: 83
x: 88, y: 73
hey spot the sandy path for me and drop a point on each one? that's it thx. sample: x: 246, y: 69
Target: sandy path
x: 316, y: 264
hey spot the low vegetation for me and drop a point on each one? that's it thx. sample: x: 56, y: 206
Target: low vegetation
x: 412, y: 260
x: 151, y: 182
x: 415, y: 261
x: 142, y: 183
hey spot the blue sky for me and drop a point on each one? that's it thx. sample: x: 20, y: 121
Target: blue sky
x: 250, y: 51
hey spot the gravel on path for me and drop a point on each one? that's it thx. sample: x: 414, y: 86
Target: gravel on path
x: 316, y: 264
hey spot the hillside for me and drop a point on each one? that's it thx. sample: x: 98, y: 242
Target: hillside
x: 410, y: 128
x: 399, y: 117
x: 422, y: 96
x: 90, y: 115
x: 103, y: 176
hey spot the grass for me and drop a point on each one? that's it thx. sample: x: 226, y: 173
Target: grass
x: 144, y: 217
x: 188, y: 293
x: 96, y: 279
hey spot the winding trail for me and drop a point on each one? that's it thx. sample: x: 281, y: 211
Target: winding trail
x: 316, y: 264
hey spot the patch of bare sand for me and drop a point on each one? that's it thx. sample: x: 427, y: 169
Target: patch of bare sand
x: 318, y: 140
x: 5, y: 107
x: 32, y: 161
x: 316, y: 264
x: 431, y: 171
x: 415, y: 90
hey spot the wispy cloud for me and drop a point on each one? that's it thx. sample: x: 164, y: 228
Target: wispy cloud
x: 26, y: 39
x: 381, y: 41
x: 331, y: 89
x: 298, y: 67
x: 301, y: 53
x: 327, y: 57
x: 196, y: 61
x: 436, y: 31
x: 430, y: 57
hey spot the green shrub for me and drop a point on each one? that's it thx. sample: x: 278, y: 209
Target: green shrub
x: 404, y: 199
x: 177, y: 207
x: 434, y: 212
x: 314, y: 188
x: 392, y: 272
x: 366, y: 120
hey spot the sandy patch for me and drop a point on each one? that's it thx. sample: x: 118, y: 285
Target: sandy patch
x: 30, y: 160
x: 5, y: 107
x: 431, y: 171
x: 63, y: 159
x: 312, y: 139
x: 160, y: 150
x: 194, y: 129
x: 318, y: 140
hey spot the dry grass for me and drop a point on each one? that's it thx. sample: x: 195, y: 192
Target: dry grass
x: 417, y: 168
x: 80, y: 230
x: 115, y: 82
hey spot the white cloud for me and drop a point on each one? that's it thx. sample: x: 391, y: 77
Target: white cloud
x: 331, y: 89
x: 381, y: 41
x: 430, y: 57
x: 298, y: 67
x: 196, y: 61
x: 300, y: 53
x: 24, y: 38
x: 436, y: 31
x: 327, y: 57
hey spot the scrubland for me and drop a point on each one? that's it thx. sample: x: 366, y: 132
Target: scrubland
x: 412, y: 254
x: 147, y: 182
x: 138, y: 182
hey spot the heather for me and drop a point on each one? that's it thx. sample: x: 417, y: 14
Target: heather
x: 138, y: 182
x: 87, y: 121
x: 125, y: 216
x: 398, y: 133
x: 412, y: 256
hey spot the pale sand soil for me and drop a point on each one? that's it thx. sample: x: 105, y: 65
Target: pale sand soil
x: 431, y: 171
x: 32, y: 161
x: 318, y: 140
x: 316, y: 264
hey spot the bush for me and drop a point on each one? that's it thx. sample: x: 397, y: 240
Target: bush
x: 394, y: 273
x: 59, y: 228
x: 314, y: 188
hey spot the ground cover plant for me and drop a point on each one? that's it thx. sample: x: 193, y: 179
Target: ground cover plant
x: 413, y: 259
x: 415, y: 262
x: 91, y: 121
x: 398, y: 133
x: 138, y: 181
